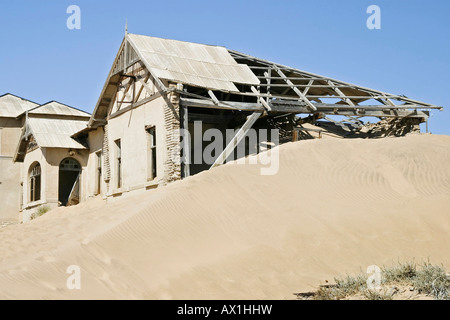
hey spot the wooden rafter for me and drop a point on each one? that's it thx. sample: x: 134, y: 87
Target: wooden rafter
x: 261, y: 99
x: 341, y: 95
x: 295, y: 89
x: 259, y: 65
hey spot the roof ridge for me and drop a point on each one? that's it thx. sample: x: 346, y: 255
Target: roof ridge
x: 18, y: 97
x: 160, y: 38
x: 62, y: 104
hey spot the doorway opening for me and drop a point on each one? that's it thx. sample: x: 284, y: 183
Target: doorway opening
x: 69, y: 182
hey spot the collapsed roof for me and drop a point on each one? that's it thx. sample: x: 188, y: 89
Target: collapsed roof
x: 219, y: 78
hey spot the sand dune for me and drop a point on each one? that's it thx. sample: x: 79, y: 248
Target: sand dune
x: 335, y: 206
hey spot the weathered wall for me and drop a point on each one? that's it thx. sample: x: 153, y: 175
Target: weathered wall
x: 9, y: 172
x: 9, y: 136
x: 9, y: 189
x: 130, y: 128
x: 89, y: 183
x: 172, y: 125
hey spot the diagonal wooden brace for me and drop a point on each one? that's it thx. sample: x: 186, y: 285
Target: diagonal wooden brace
x: 237, y: 139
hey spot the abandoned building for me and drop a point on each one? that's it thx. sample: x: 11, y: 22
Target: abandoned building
x: 158, y: 90
x: 158, y: 87
x: 47, y: 161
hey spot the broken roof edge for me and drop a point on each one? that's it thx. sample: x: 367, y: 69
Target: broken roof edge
x: 96, y: 119
x: 350, y: 85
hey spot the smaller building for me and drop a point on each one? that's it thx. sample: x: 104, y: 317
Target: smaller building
x: 52, y: 160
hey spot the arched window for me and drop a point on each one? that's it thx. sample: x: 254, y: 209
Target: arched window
x: 35, y: 182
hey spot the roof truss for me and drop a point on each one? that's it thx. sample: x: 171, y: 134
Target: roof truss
x: 281, y: 89
x: 288, y: 90
x: 285, y: 83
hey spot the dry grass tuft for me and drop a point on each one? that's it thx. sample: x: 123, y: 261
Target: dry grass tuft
x: 426, y: 279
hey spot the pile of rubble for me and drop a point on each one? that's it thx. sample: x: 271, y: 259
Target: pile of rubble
x: 392, y: 127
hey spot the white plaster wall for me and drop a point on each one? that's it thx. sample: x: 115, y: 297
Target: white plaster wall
x: 10, y: 130
x: 9, y: 189
x: 130, y: 128
x: 9, y: 172
x: 95, y: 145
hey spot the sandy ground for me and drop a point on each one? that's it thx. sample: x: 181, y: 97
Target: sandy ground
x: 335, y: 207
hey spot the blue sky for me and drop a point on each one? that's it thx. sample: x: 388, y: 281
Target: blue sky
x: 42, y: 60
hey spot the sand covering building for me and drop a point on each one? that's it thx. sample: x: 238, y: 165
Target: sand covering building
x: 143, y: 132
x: 157, y: 89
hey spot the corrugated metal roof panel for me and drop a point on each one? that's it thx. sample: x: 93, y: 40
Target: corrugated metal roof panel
x: 195, y: 64
x: 56, y: 108
x: 12, y: 106
x: 55, y: 133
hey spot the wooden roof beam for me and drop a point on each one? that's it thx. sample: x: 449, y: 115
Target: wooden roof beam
x: 295, y: 89
x: 340, y: 93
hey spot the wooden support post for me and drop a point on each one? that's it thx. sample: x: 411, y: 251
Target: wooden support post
x: 261, y: 99
x: 213, y: 97
x: 268, y: 75
x: 294, y: 135
x: 146, y: 86
x: 242, y: 132
x: 141, y: 88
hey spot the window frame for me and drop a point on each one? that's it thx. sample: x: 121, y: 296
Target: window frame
x: 35, y: 182
x: 152, y: 165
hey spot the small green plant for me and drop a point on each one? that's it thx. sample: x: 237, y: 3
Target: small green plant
x: 41, y: 210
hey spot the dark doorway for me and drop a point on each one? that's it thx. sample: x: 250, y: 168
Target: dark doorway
x: 69, y: 182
